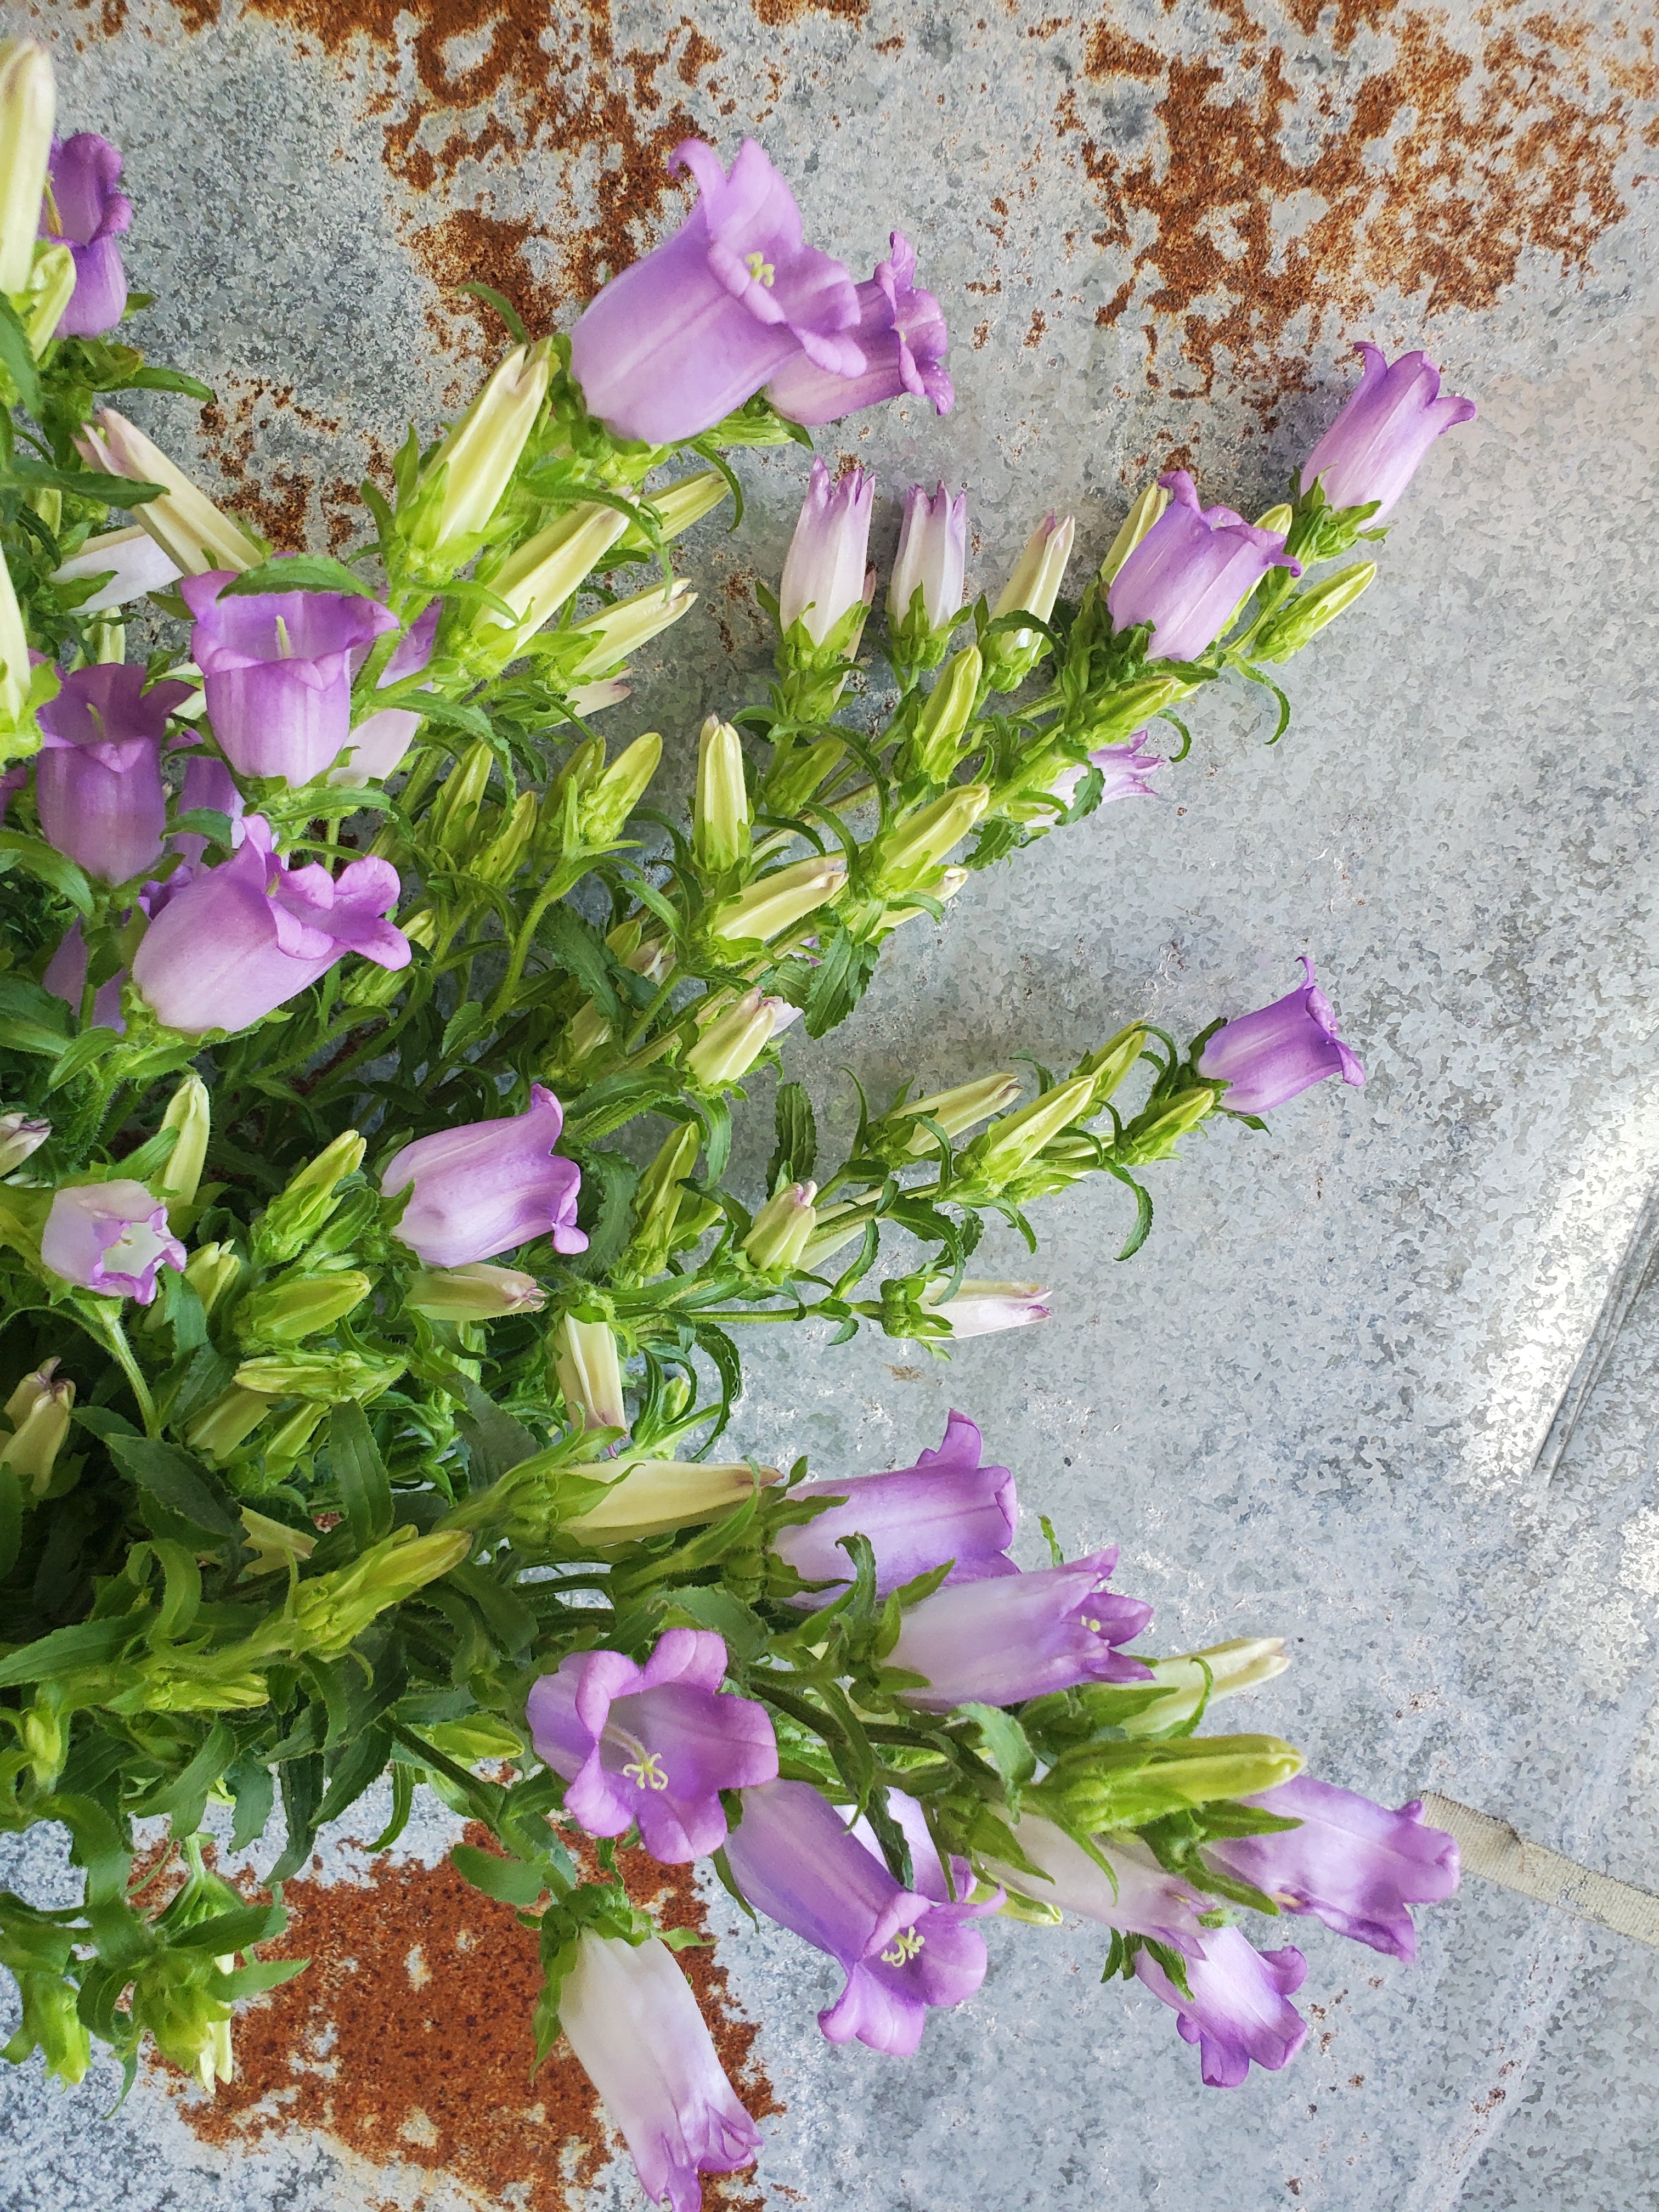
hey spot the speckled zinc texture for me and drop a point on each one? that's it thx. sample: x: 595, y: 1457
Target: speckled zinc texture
x: 1315, y: 1404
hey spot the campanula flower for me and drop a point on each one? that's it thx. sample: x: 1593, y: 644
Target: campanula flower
x: 276, y: 669
x: 1190, y: 573
x: 247, y: 936
x: 111, y: 1237
x: 195, y: 534
x: 932, y: 556
x: 696, y: 328
x: 1239, y: 2008
x: 1014, y: 1637
x: 486, y: 1187
x: 131, y: 561
x: 98, y: 782
x: 208, y: 785
x: 1272, y: 1055
x: 982, y: 1309
x: 377, y: 744
x: 1374, y: 448
x: 1124, y: 772
x: 635, y: 2028
x: 65, y: 975
x: 795, y: 1860
x: 655, y: 1744
x: 1351, y: 1864
x: 900, y: 332
x: 947, y: 1506
x: 86, y: 211
x: 1139, y: 1900
x: 826, y: 569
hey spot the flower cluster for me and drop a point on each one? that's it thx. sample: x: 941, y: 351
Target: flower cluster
x: 372, y: 1261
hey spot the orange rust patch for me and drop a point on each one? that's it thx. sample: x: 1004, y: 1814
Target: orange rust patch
x: 408, y: 2040
x: 277, y: 501
x: 1430, y: 176
x: 775, y: 14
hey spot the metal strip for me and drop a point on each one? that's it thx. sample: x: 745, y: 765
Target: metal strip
x: 1498, y: 1853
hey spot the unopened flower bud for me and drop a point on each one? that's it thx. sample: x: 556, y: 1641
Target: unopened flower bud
x: 586, y: 699
x: 480, y: 1291
x: 365, y: 985
x: 589, y: 1373
x: 51, y: 288
x: 735, y: 1039
x: 28, y: 107
x: 719, y: 813
x: 504, y: 855
x: 797, y: 775
x: 1278, y: 519
x: 688, y: 499
x: 20, y: 1136
x: 537, y: 580
x: 982, y: 1309
x: 1035, y: 585
x: 899, y: 1135
x: 933, y: 552
x: 995, y: 1158
x: 289, y: 1312
x: 285, y: 1442
x: 617, y: 630
x: 330, y: 1613
x: 454, y: 814
x: 1119, y: 715
x: 909, y: 852
x: 1140, y: 519
x: 18, y: 734
x: 478, y: 456
x: 273, y: 1543
x: 1300, y: 619
x: 1127, y: 1785
x: 189, y: 1113
x: 932, y: 750
x: 838, y: 1226
x: 608, y: 803
x: 783, y: 1227
x: 1157, y: 1139
x: 944, y: 886
x: 194, y: 534
x: 39, y: 1411
x: 297, y: 1212
x: 657, y: 1200
x: 228, y: 1421
x: 333, y: 1376
x: 210, y: 1271
x: 777, y: 901
x: 652, y: 1497
x: 1111, y: 1062
x: 1204, y: 1677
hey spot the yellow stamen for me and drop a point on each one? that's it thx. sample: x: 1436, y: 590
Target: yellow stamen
x: 646, y: 1771
x: 906, y: 1945
x: 284, y: 643
x: 760, y: 269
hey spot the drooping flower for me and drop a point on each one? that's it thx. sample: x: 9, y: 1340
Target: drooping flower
x: 901, y: 330
x: 653, y: 1744
x: 932, y: 556
x: 1272, y: 1055
x: 247, y: 936
x: 982, y: 1309
x: 635, y: 2028
x: 796, y: 1861
x: 947, y: 1506
x: 1141, y: 1899
x: 378, y: 742
x: 208, y: 785
x: 99, y: 777
x: 486, y: 1187
x: 1374, y: 446
x: 826, y: 570
x: 1191, y: 569
x: 276, y: 669
x: 1353, y: 1863
x: 696, y: 328
x: 1124, y: 772
x: 85, y: 211
x: 1014, y: 1637
x: 111, y: 1237
x: 131, y: 561
x: 1239, y: 2008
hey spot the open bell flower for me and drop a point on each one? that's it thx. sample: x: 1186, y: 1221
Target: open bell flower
x: 1351, y: 1864
x: 1013, y: 1637
x: 638, y: 2035
x: 698, y: 325
x: 796, y: 1861
x: 1271, y: 1055
x: 1375, y: 445
x: 488, y: 1187
x: 824, y: 570
x: 655, y: 1744
x: 111, y: 1237
x: 947, y: 1506
x: 86, y: 210
x: 1239, y: 2008
x: 210, y: 786
x: 1124, y: 772
x: 244, y: 937
x: 277, y: 671
x: 901, y: 332
x: 98, y: 782
x: 1191, y: 572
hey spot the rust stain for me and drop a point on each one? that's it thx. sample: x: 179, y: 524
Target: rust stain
x: 1429, y: 175
x: 775, y: 14
x: 278, y: 500
x: 407, y: 2039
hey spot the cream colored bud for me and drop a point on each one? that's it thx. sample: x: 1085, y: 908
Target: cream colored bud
x: 27, y: 111
x: 1277, y: 519
x: 194, y: 534
x: 479, y: 1292
x: 589, y: 1373
x: 688, y: 499
x: 720, y: 813
x: 273, y: 1543
x: 14, y: 715
x: 618, y: 631
x: 189, y: 1113
x: 481, y: 453
x: 39, y: 1411
x: 227, y: 1422
x: 899, y: 1132
x: 1140, y: 519
x: 777, y: 901
x: 21, y: 1134
x: 783, y: 1227
x: 735, y: 1038
x: 1242, y: 1664
x: 210, y: 1271
x: 537, y: 580
x: 51, y: 288
x: 651, y: 1496
x: 1035, y: 585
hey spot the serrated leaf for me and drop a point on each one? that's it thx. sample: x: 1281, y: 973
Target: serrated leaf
x: 180, y: 1482
x: 365, y: 1488
x: 53, y: 868
x: 1005, y: 1744
x: 300, y: 572
x: 795, y: 1154
x: 510, y: 1881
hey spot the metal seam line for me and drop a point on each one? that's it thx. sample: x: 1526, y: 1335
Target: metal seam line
x: 1498, y: 1853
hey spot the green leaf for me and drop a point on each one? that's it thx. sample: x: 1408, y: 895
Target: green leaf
x: 503, y: 307
x: 184, y: 1798
x: 88, y: 483
x: 796, y: 1152
x: 239, y: 1930
x: 708, y: 1606
x: 253, y: 1785
x: 67, y: 1651
x: 840, y: 980
x: 355, y: 1772
x: 300, y: 572
x: 87, y: 1049
x: 365, y: 1489
x: 494, y: 1441
x: 510, y: 1881
x: 1006, y: 1746
x: 577, y: 947
x: 181, y: 1483
x: 153, y: 377
x: 17, y: 358
x: 52, y: 868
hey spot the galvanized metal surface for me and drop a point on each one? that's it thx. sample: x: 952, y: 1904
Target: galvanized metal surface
x: 1323, y: 1401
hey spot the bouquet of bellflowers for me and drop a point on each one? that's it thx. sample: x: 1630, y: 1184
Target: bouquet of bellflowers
x: 369, y: 1036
